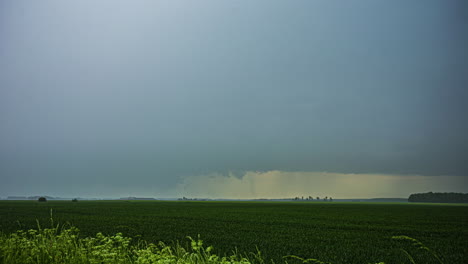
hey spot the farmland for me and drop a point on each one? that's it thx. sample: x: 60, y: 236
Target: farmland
x: 331, y: 232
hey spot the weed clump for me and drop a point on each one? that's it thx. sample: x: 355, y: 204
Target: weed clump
x: 63, y: 245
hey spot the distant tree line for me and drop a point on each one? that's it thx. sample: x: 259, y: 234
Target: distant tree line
x: 310, y: 198
x: 431, y: 197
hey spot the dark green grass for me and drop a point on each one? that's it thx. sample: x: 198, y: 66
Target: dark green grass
x: 332, y: 232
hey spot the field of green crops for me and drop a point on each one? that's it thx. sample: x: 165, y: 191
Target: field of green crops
x: 329, y: 231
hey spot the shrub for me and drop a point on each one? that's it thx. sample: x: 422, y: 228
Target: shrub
x: 42, y: 199
x: 74, y: 200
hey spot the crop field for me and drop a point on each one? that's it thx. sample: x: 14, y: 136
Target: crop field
x: 327, y: 231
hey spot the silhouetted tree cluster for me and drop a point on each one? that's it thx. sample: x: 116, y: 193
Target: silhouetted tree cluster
x: 42, y: 199
x: 190, y: 199
x: 431, y: 197
x: 310, y: 198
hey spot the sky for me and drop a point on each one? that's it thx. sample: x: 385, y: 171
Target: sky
x: 233, y: 99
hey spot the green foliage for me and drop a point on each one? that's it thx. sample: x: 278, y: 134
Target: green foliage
x: 431, y: 197
x: 330, y: 232
x: 63, y: 245
x: 305, y: 261
x: 418, y: 245
x: 54, y: 245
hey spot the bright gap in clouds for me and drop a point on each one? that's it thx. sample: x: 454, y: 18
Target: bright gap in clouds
x: 284, y: 184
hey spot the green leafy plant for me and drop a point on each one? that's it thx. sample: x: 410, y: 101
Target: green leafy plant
x: 63, y: 245
x: 418, y: 245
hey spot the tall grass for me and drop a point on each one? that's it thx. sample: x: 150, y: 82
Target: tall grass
x: 62, y: 244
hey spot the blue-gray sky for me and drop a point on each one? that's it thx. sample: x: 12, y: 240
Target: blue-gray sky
x: 145, y: 98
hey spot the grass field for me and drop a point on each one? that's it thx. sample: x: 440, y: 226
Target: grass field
x: 329, y: 231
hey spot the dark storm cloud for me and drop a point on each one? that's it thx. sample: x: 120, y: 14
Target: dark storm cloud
x: 134, y: 96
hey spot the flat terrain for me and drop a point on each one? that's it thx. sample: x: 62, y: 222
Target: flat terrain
x: 328, y: 231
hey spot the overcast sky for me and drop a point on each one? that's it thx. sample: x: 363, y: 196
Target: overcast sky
x: 243, y: 99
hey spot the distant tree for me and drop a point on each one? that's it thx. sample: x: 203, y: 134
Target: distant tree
x: 330, y: 199
x: 42, y: 199
x: 326, y: 198
x: 74, y: 200
x: 318, y: 198
x: 431, y: 197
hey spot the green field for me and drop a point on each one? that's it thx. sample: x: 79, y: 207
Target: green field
x: 328, y: 231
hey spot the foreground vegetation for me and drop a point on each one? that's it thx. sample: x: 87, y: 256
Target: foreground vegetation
x: 63, y: 246
x: 329, y: 232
